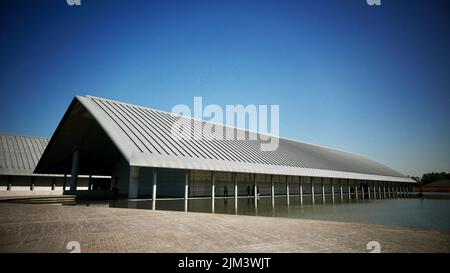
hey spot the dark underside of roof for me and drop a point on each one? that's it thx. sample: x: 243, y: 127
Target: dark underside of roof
x: 79, y: 131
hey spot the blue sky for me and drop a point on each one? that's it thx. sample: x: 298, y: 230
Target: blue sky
x: 371, y: 80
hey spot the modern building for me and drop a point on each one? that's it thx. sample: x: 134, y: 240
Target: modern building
x: 437, y: 186
x: 19, y: 156
x: 137, y: 147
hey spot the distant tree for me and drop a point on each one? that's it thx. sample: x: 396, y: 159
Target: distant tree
x: 432, y: 177
x: 418, y: 179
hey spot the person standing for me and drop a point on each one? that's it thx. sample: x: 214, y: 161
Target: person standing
x: 225, y: 191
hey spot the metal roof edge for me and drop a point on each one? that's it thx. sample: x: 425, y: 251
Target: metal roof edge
x: 58, y: 128
x: 106, y: 123
x: 27, y: 136
x: 171, y: 162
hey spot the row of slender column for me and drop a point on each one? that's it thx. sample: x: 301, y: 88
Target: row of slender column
x: 135, y: 173
x: 399, y: 191
x: 32, y: 183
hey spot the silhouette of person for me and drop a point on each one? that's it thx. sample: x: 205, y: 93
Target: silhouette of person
x: 225, y: 191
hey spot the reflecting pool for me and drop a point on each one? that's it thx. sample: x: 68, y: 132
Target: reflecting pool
x: 430, y: 211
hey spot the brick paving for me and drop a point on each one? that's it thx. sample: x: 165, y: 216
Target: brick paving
x: 48, y: 228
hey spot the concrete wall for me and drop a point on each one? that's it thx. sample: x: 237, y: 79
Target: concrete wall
x: 170, y: 183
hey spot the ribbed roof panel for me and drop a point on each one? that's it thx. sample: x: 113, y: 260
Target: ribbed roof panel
x: 148, y: 132
x: 19, y: 155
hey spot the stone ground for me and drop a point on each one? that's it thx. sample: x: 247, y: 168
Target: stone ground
x: 48, y: 228
x: 26, y: 192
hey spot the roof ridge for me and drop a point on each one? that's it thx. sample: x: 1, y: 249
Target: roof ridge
x: 28, y: 136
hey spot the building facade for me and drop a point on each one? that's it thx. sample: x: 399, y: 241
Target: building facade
x: 136, y: 146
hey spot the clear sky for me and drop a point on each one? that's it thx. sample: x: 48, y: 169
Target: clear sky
x: 371, y: 80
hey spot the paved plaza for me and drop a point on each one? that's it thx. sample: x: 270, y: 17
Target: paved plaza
x: 49, y: 228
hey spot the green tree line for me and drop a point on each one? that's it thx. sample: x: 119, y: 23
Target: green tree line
x: 432, y: 177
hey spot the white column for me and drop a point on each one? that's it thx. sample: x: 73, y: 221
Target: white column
x: 348, y: 189
x: 236, y: 193
x: 379, y: 191
x: 9, y: 186
x: 256, y: 194
x: 65, y: 182
x: 362, y: 191
x: 213, y: 191
x: 154, y: 189
x: 32, y: 183
x: 300, y: 189
x: 374, y: 191
x: 384, y: 190
x: 186, y: 190
x: 272, y: 191
x: 312, y: 190
x: 74, y: 176
x: 342, y: 192
x: 287, y: 190
x: 356, y: 192
x: 90, y: 183
x: 133, y: 183
x: 368, y: 189
x: 323, y: 190
x: 332, y: 190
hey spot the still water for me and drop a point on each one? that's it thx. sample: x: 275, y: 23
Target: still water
x: 431, y: 211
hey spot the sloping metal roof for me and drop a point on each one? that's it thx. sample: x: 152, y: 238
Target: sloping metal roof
x: 19, y: 155
x: 143, y: 137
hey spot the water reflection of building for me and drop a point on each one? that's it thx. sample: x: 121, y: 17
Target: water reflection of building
x: 134, y: 146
